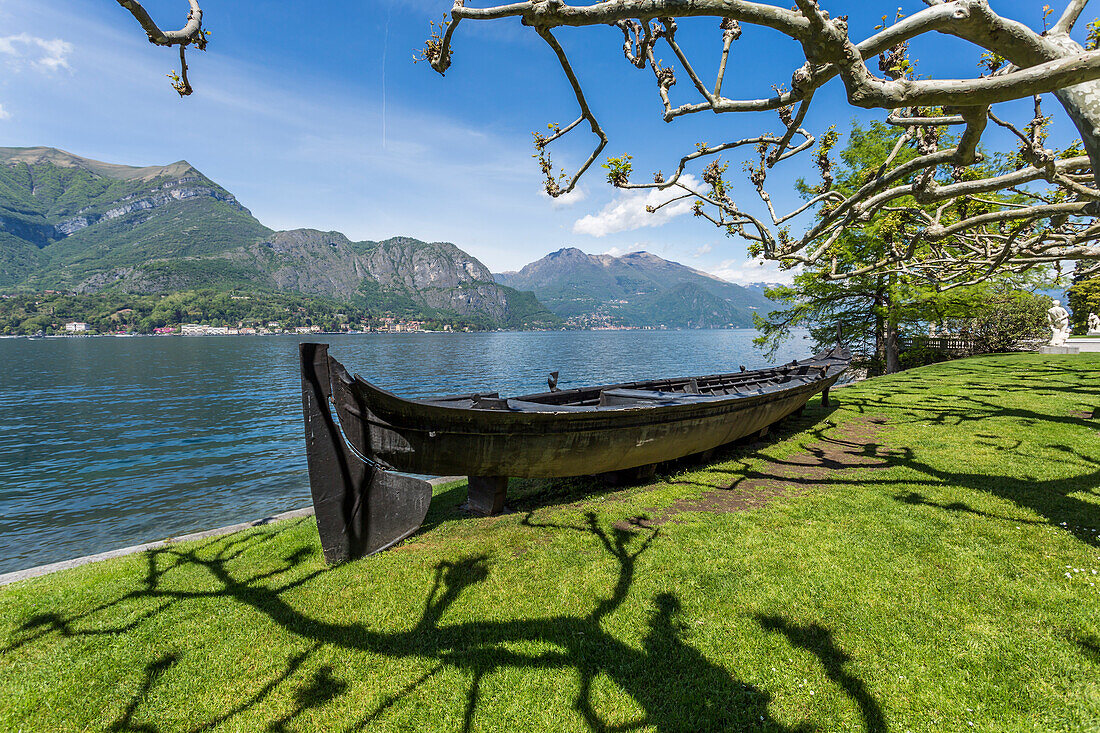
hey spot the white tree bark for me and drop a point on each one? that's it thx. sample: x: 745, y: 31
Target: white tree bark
x: 190, y: 33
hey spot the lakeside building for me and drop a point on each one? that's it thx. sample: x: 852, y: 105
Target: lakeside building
x: 393, y: 325
x: 199, y: 329
x: 77, y: 327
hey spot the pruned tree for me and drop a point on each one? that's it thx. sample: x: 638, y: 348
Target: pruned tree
x: 957, y: 224
x: 874, y: 311
x: 191, y: 34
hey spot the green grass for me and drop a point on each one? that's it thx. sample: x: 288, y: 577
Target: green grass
x: 933, y: 565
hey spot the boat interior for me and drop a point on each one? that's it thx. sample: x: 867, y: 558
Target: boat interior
x: 653, y: 393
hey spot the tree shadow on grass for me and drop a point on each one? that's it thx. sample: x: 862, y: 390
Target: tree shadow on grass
x: 1088, y: 645
x: 915, y: 498
x: 49, y: 622
x: 1060, y: 501
x: 673, y: 685
x: 989, y: 398
x: 987, y: 394
x: 818, y: 640
x: 321, y: 688
x: 1054, y: 499
x: 153, y: 671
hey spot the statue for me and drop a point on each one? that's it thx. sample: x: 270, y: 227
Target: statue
x: 1094, y: 324
x: 1059, y: 324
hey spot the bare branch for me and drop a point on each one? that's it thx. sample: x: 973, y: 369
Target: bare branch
x: 902, y: 121
x: 180, y: 82
x: 553, y: 13
x: 1039, y: 79
x: 586, y: 113
x: 1069, y: 17
x: 958, y: 219
x: 189, y: 33
x: 731, y: 31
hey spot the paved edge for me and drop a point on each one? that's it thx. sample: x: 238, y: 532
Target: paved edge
x: 39, y: 570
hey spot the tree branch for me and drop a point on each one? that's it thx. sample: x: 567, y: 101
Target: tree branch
x: 1069, y: 17
x: 958, y: 224
x: 189, y: 33
x: 586, y: 114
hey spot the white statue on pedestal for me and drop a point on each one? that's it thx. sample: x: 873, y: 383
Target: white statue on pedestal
x: 1059, y: 324
x: 1094, y: 324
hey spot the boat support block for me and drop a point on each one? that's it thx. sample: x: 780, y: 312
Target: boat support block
x: 486, y: 494
x: 361, y: 509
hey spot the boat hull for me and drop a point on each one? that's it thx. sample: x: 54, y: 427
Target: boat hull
x: 363, y: 441
x: 402, y: 435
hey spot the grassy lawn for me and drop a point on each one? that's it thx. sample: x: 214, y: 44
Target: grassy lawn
x: 922, y: 556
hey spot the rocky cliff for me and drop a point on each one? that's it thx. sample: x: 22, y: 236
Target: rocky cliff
x: 435, y: 275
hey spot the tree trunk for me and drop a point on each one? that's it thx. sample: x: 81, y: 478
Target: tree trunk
x: 893, y: 361
x: 880, y: 328
x: 1082, y: 104
x: 891, y: 316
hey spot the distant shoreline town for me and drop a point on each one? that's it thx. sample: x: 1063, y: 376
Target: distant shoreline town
x: 271, y: 328
x: 76, y: 329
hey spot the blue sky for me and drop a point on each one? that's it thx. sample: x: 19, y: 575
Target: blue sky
x: 315, y: 115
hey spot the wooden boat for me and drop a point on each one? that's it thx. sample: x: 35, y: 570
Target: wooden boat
x: 358, y: 460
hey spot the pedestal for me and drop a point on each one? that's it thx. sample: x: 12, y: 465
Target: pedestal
x: 487, y: 494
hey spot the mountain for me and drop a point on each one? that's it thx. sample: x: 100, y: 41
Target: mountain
x: 635, y: 289
x: 75, y: 224
x: 63, y: 217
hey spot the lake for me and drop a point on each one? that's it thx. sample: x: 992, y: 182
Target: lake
x: 108, y: 442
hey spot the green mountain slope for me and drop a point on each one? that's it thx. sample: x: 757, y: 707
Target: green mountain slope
x: 85, y: 216
x: 686, y: 305
x: 636, y: 289
x: 74, y: 224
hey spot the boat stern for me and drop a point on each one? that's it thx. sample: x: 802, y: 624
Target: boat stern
x: 361, y: 508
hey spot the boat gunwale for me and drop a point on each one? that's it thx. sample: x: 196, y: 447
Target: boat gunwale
x: 391, y: 411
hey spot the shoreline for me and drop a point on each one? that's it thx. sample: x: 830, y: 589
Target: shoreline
x: 63, y: 336
x: 37, y: 571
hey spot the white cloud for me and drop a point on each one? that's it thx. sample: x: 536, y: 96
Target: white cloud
x: 628, y: 210
x: 702, y: 250
x: 744, y: 272
x: 617, y: 252
x: 566, y: 199
x: 4, y: 114
x: 43, y: 54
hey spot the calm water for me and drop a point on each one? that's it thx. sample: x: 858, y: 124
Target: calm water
x: 107, y: 442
